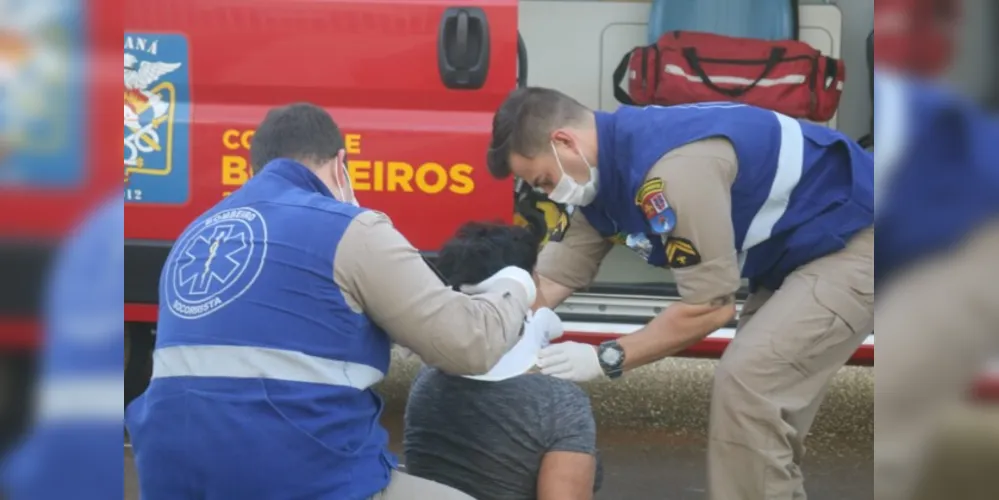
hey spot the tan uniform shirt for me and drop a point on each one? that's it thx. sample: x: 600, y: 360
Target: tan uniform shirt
x: 383, y: 276
x: 697, y: 182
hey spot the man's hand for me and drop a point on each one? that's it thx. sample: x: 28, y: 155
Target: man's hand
x: 570, y: 361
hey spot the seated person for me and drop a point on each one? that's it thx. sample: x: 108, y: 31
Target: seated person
x: 509, y: 434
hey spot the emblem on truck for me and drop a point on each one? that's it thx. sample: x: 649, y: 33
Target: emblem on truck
x: 156, y: 118
x: 41, y: 100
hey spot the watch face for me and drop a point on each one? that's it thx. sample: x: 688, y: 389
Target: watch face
x: 610, y: 356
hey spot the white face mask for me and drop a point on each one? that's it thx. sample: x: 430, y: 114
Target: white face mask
x: 569, y: 192
x: 344, y: 191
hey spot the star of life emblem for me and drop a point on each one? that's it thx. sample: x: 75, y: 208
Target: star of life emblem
x: 216, y: 261
x: 199, y: 275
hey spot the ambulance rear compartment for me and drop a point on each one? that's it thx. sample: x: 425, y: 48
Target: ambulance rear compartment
x: 575, y: 45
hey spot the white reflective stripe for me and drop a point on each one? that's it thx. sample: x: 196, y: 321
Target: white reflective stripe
x: 891, y: 129
x: 260, y: 362
x: 85, y: 398
x: 626, y: 329
x: 789, y: 167
x: 672, y: 69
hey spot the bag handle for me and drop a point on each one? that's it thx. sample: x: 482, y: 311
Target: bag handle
x: 620, y: 72
x: 690, y: 54
x: 796, y: 20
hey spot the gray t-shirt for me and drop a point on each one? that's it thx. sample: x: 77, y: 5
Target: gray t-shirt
x: 488, y: 438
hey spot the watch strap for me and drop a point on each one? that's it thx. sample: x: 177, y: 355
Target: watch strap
x: 615, y: 369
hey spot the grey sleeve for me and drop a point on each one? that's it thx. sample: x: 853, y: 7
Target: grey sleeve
x: 380, y: 273
x: 570, y: 420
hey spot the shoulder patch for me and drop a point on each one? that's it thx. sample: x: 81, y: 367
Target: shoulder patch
x: 651, y: 198
x: 681, y: 253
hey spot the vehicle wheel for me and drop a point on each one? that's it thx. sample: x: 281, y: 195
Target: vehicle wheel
x: 128, y: 349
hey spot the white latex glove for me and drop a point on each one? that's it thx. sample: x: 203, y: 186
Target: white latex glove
x: 549, y: 322
x: 570, y: 361
x: 503, y: 280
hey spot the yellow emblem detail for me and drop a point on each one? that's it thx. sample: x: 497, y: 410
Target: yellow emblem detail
x: 651, y: 186
x: 681, y: 253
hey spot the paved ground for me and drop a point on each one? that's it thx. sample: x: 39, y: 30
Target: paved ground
x: 652, y: 433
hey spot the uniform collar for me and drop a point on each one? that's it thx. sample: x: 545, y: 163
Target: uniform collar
x: 297, y: 174
x: 605, y: 137
x: 606, y: 154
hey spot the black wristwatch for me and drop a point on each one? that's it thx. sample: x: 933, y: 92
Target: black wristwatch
x: 611, y: 357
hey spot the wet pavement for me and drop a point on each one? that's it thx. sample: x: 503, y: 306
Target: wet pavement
x: 652, y: 432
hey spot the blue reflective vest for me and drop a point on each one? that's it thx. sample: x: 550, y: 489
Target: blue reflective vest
x: 72, y: 450
x: 262, y: 372
x: 938, y: 171
x: 801, y: 192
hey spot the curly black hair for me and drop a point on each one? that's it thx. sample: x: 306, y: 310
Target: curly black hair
x: 480, y: 249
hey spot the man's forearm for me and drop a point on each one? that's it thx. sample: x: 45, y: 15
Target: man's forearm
x: 551, y: 294
x: 380, y: 273
x: 676, y: 329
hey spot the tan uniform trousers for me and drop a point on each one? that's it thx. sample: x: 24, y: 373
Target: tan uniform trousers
x: 937, y: 327
x: 962, y: 457
x: 406, y: 487
x: 775, y: 373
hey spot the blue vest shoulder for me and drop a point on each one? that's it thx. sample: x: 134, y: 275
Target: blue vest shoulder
x: 84, y: 333
x: 938, y: 179
x: 812, y: 186
x: 253, y: 279
x: 275, y: 236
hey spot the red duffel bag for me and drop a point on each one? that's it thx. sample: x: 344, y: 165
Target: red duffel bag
x: 916, y: 36
x: 685, y: 67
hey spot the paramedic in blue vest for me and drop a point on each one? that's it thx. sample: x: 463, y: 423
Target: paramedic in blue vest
x: 715, y: 192
x: 278, y: 310
x: 72, y: 449
x: 938, y: 266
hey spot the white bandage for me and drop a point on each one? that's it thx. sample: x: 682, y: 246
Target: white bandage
x: 524, y: 355
x: 502, y: 280
x: 547, y: 321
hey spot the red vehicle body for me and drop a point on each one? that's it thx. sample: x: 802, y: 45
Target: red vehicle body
x: 34, y: 220
x: 416, y: 148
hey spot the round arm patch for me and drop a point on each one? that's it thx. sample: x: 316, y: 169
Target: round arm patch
x: 652, y: 200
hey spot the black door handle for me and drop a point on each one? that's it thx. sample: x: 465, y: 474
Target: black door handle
x: 521, y: 61
x: 463, y: 48
x: 461, y: 38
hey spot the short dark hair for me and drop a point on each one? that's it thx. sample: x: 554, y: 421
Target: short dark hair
x: 480, y: 249
x: 302, y: 132
x: 523, y: 123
